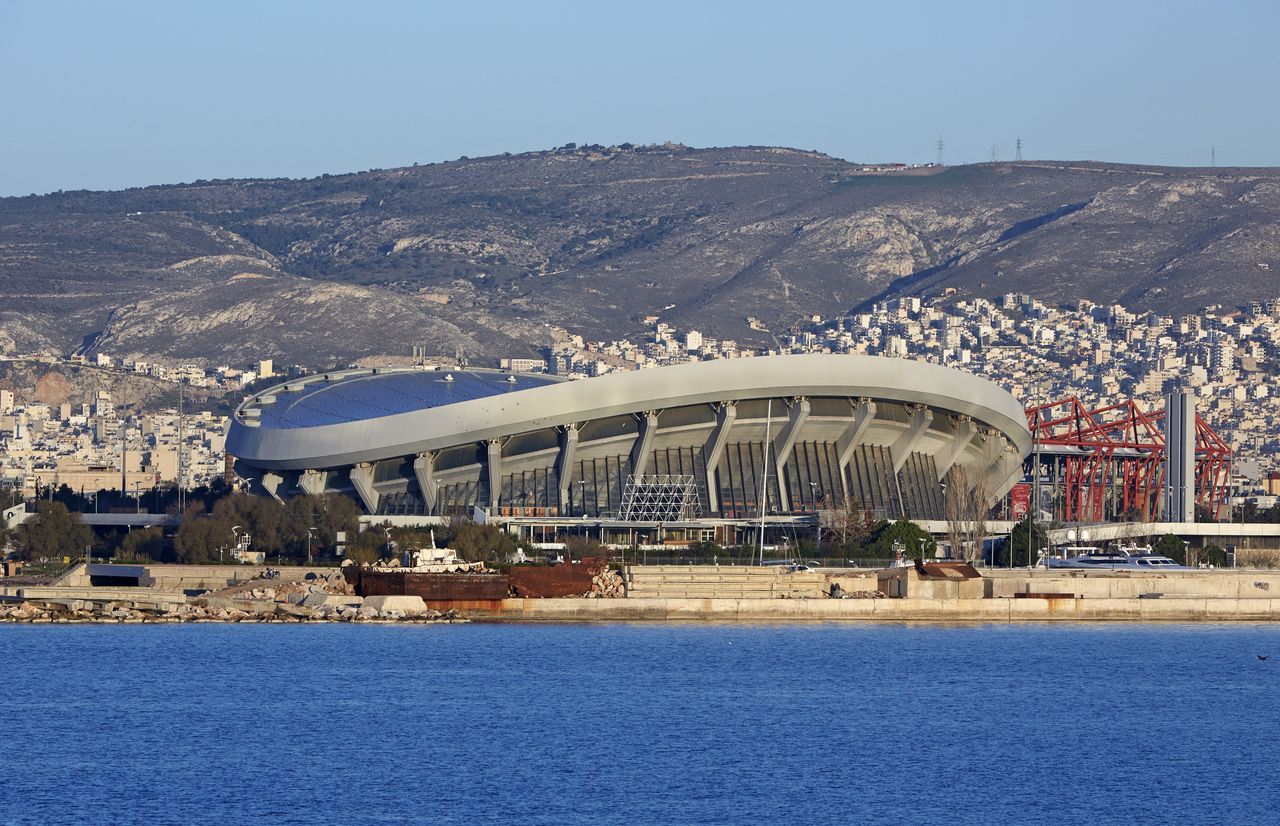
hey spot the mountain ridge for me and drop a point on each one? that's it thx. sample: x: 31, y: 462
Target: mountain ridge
x: 489, y: 255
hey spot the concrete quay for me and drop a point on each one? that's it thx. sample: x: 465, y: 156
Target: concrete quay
x: 641, y: 609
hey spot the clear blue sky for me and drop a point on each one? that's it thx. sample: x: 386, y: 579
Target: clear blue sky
x: 105, y: 95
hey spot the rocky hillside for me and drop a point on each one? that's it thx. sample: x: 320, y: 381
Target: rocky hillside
x: 488, y: 254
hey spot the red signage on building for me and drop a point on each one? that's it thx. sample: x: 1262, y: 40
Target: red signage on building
x: 1020, y: 500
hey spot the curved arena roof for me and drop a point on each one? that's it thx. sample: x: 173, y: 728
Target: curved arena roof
x: 834, y: 403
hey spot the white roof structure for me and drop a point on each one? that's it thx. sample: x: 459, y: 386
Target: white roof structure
x: 883, y: 431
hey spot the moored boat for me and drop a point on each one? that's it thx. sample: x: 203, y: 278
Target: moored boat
x: 1131, y: 558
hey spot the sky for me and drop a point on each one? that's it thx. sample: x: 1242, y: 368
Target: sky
x: 99, y: 95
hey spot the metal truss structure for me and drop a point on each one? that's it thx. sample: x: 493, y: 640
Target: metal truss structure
x: 660, y: 498
x: 1109, y: 462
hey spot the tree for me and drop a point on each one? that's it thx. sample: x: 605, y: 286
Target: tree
x: 1172, y: 547
x: 201, y: 538
x: 1212, y: 554
x: 54, y: 532
x: 324, y: 517
x: 1029, y: 540
x: 368, y: 547
x: 144, y: 545
x: 577, y: 546
x: 847, y: 527
x: 258, y: 515
x: 913, y: 539
x: 482, y: 543
x: 967, y: 502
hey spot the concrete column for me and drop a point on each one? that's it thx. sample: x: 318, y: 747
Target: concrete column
x: 786, y: 442
x: 1002, y: 474
x: 424, y: 469
x: 564, y: 465
x: 960, y: 439
x: 907, y: 442
x: 271, y: 484
x: 362, y: 480
x: 713, y: 451
x: 495, y: 471
x: 864, y: 413
x: 311, y: 482
x: 644, y: 443
x: 993, y: 451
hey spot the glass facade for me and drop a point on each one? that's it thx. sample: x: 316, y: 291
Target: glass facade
x: 595, y: 489
x: 813, y: 476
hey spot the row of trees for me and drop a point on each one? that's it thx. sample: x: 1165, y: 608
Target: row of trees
x: 280, y: 531
x: 302, y: 524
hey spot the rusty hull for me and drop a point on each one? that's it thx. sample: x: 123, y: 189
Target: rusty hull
x: 444, y: 591
x: 560, y: 580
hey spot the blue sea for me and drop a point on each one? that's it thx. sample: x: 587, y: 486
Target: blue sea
x: 639, y: 723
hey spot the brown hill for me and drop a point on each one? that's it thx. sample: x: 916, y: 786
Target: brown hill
x: 482, y: 254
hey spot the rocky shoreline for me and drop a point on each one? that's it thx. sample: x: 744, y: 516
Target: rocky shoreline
x: 110, y: 612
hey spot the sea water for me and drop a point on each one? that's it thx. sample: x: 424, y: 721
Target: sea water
x: 639, y: 723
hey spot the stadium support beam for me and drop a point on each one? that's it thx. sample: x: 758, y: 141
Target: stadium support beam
x: 713, y: 450
x: 424, y: 470
x: 907, y: 442
x: 960, y: 439
x: 362, y: 480
x: 864, y: 413
x: 644, y: 443
x: 992, y: 451
x: 564, y: 466
x: 785, y: 443
x: 495, y: 471
x: 311, y: 482
x: 271, y: 484
x: 1003, y: 473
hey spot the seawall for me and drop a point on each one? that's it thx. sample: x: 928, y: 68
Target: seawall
x: 886, y: 610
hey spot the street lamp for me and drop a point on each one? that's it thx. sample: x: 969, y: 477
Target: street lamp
x: 235, y: 532
x: 582, y: 496
x: 310, y: 532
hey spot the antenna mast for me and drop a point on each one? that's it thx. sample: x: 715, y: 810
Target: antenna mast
x: 182, y: 496
x: 1018, y: 156
x: 124, y: 454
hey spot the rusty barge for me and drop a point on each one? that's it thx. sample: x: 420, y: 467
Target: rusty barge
x: 476, y: 589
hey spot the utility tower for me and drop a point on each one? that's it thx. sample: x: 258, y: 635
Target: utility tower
x: 995, y: 153
x: 1018, y: 155
x: 940, y: 146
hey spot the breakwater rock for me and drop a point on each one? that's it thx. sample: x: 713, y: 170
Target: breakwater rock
x: 201, y: 610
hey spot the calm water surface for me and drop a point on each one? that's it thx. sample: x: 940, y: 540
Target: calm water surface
x: 639, y: 724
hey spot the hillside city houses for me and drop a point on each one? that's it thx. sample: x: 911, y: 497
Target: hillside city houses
x: 1101, y: 354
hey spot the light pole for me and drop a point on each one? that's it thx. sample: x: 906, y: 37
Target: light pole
x: 235, y: 532
x: 310, y: 532
x: 582, y: 496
